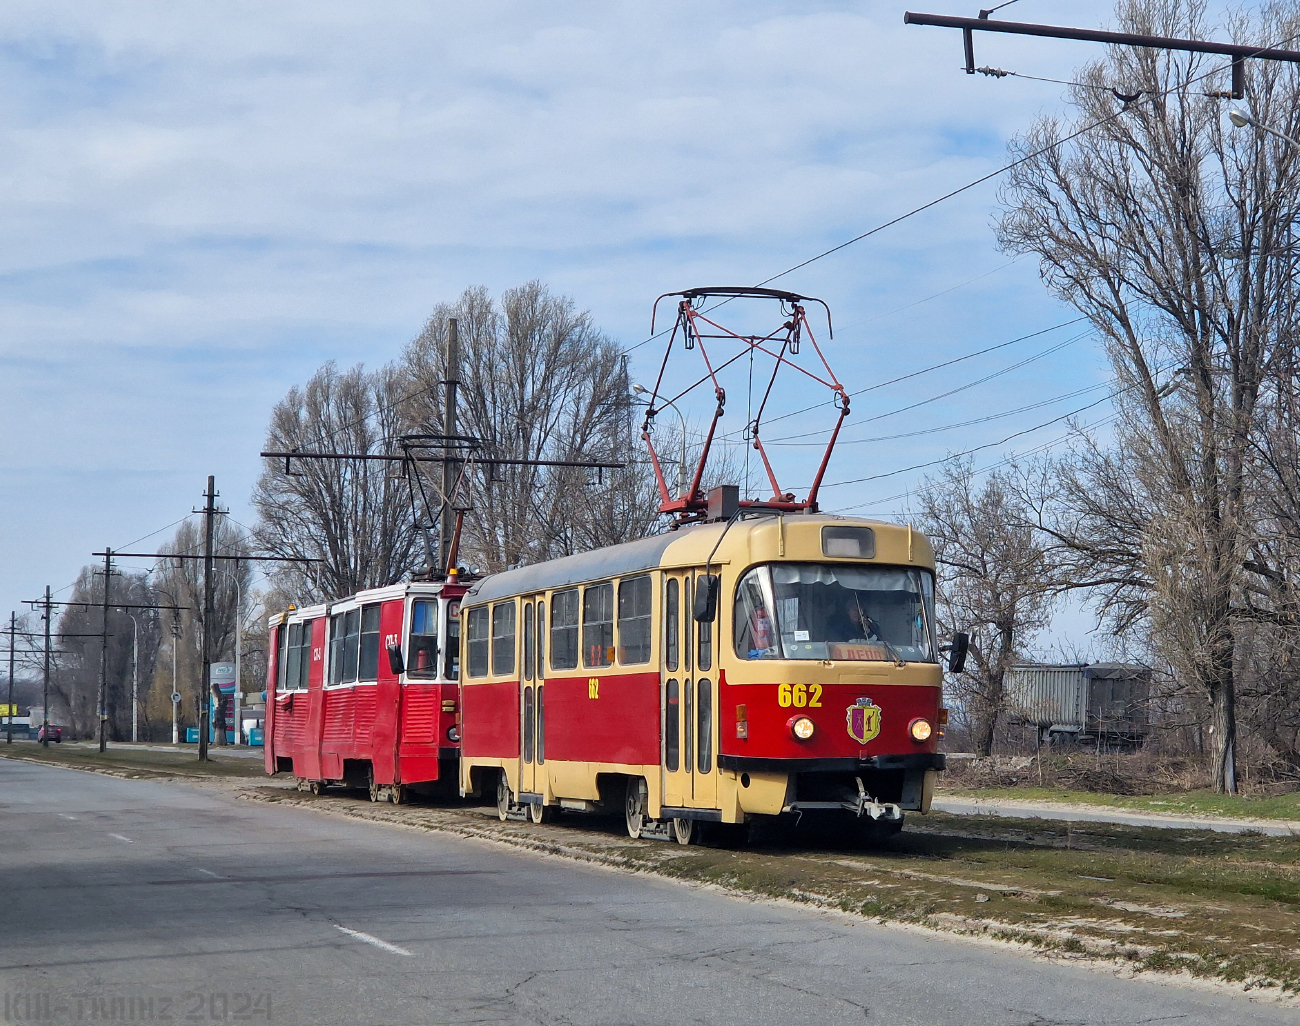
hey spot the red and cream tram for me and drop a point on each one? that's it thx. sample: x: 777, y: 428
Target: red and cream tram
x: 724, y: 672
x: 363, y: 691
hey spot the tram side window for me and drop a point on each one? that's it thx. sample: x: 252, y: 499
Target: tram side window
x: 672, y: 725
x: 336, y: 649
x: 304, y: 654
x: 422, y: 642
x: 477, y: 641
x: 282, y: 656
x: 704, y: 648
x: 503, y: 637
x: 453, y: 640
x: 351, y: 644
x: 688, y: 633
x: 598, y: 625
x: 634, y: 620
x: 564, y: 630
x: 529, y: 641
x: 704, y: 712
x: 672, y: 591
x: 369, y: 664
x: 292, y: 654
x: 541, y: 646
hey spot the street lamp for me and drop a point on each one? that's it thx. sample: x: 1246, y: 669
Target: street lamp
x: 681, y: 464
x: 1241, y: 119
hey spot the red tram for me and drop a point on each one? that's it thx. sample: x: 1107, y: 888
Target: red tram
x: 362, y: 691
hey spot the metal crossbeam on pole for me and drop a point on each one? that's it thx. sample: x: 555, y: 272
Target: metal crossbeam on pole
x: 482, y: 460
x: 1238, y: 52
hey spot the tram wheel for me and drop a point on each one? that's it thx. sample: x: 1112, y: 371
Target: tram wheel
x: 316, y: 787
x: 503, y: 797
x: 397, y: 795
x: 374, y: 787
x: 538, y: 813
x: 638, y: 798
x: 684, y: 831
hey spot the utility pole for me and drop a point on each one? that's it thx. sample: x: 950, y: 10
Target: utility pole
x: 451, y: 379
x: 205, y: 687
x: 103, y: 653
x: 176, y: 706
x: 9, y: 721
x: 45, y: 688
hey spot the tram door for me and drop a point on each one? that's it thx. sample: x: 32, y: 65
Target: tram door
x: 530, y: 696
x: 675, y: 684
x: 699, y: 706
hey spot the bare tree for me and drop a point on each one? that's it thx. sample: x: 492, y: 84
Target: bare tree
x: 355, y: 515
x: 995, y: 583
x: 1175, y: 237
x: 538, y: 381
x: 76, y: 671
x: 181, y: 583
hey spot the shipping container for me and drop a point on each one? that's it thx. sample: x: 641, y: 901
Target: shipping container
x: 1099, y: 701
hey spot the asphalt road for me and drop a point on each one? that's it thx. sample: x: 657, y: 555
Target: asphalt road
x: 135, y: 901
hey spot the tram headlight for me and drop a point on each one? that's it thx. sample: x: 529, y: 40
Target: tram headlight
x: 453, y: 732
x: 801, y: 728
x: 920, y: 729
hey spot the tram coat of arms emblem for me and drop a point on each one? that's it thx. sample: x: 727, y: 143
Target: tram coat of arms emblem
x: 863, y: 720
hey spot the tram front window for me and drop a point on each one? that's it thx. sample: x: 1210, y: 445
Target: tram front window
x: 830, y: 611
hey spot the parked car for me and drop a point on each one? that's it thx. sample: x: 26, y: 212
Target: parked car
x: 54, y: 733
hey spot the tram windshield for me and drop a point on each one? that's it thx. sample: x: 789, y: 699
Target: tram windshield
x: 832, y: 611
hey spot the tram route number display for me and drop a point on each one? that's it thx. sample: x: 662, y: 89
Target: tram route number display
x: 799, y: 695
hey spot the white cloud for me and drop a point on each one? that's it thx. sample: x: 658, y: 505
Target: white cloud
x: 203, y: 201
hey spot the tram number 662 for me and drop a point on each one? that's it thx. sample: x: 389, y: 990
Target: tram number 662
x: 799, y: 696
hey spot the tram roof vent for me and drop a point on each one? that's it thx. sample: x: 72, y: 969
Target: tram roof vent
x: 724, y: 502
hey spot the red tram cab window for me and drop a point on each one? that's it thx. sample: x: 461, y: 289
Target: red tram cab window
x: 422, y: 650
x: 453, y: 640
x: 369, y: 664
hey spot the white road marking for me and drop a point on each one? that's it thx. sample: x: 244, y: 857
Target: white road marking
x: 375, y: 941
x: 121, y: 838
x: 209, y: 872
x: 64, y: 815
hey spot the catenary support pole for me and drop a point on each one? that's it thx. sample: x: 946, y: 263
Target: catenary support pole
x: 45, y: 686
x: 176, y: 687
x: 135, y: 678
x: 451, y: 379
x: 205, y: 681
x: 103, y: 653
x: 9, y: 720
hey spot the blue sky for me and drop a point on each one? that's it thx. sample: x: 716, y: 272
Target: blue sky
x: 203, y: 202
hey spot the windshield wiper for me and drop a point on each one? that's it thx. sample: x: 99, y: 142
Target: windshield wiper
x: 898, y: 660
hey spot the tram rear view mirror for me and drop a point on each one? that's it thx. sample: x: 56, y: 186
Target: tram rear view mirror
x: 395, y: 661
x: 957, y: 652
x: 706, y: 598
